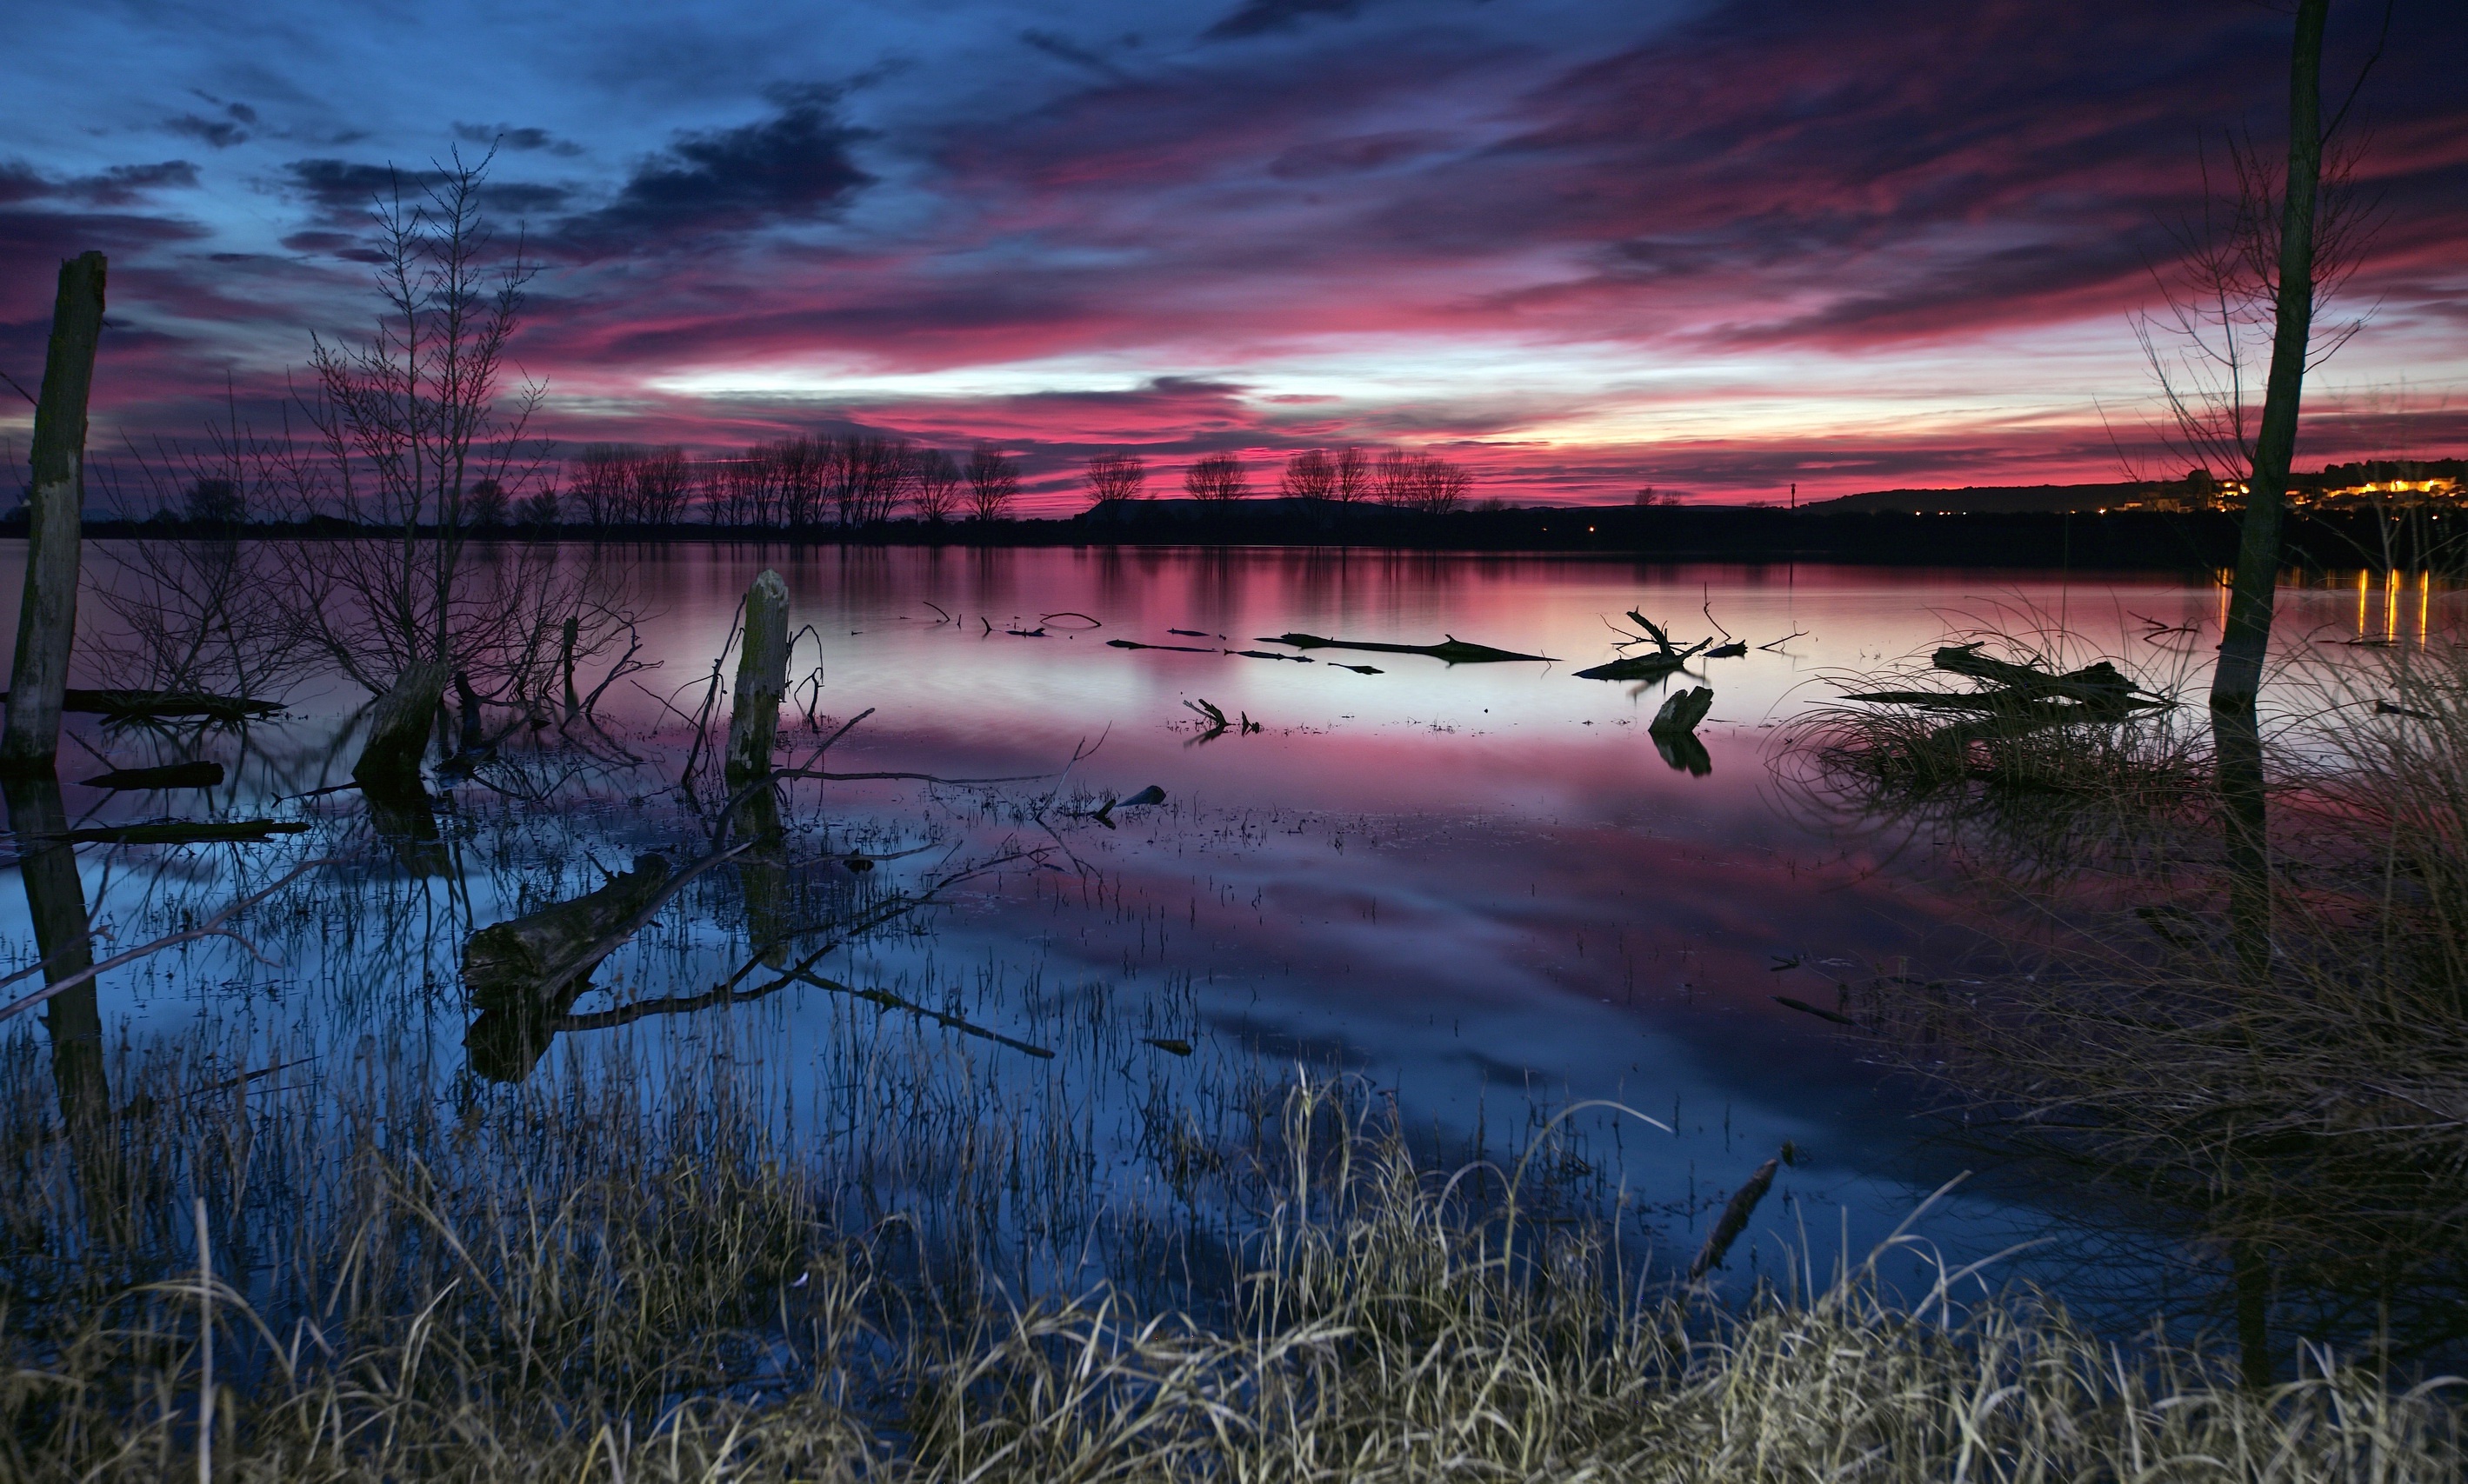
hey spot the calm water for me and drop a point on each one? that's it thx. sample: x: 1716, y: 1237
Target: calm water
x: 1477, y: 887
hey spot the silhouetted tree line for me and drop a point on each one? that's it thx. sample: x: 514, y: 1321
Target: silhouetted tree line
x: 819, y: 482
x: 1397, y: 477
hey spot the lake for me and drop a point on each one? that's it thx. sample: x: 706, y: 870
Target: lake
x: 1478, y: 891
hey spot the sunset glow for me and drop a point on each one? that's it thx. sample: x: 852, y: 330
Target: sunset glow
x: 1719, y: 249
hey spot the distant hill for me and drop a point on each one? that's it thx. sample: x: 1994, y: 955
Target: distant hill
x: 1986, y: 499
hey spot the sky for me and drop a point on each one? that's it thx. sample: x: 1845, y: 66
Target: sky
x: 1582, y: 247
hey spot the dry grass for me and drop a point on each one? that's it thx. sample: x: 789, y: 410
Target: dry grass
x: 610, y: 1273
x: 2310, y: 1122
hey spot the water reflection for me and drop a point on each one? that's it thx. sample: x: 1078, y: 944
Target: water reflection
x: 1483, y: 889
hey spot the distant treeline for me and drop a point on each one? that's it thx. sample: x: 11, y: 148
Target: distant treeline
x: 833, y: 482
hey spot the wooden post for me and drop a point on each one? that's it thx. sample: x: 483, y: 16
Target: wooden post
x: 762, y: 682
x: 47, y: 619
x: 398, y: 732
x: 56, y: 903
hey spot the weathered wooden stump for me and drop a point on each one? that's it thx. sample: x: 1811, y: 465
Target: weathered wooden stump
x: 762, y: 682
x: 1681, y: 714
x: 398, y: 732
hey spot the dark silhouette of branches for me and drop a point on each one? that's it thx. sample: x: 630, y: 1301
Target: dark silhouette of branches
x: 1216, y: 479
x: 1115, y: 476
x: 994, y: 481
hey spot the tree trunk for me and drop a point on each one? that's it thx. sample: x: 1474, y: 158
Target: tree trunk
x: 389, y: 761
x: 55, y: 902
x: 47, y: 619
x: 761, y: 681
x: 2237, y: 678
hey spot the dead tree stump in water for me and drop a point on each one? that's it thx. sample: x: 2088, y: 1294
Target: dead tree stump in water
x: 761, y: 681
x: 47, y: 620
x: 1681, y: 714
x: 398, y: 732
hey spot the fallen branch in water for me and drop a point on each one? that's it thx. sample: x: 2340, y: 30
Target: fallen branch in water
x: 1455, y: 651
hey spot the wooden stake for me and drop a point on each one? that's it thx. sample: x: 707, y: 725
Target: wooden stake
x: 47, y: 620
x: 761, y: 681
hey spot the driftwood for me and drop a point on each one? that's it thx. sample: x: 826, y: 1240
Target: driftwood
x: 1665, y: 658
x: 2016, y: 700
x: 47, y: 617
x: 1735, y: 1219
x: 1455, y: 651
x: 134, y: 706
x: 1178, y: 648
x: 389, y: 761
x: 170, y: 775
x: 1681, y: 714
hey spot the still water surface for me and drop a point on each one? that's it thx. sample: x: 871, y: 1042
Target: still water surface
x: 1479, y: 888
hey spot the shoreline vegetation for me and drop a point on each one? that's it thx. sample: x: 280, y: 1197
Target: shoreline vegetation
x: 614, y: 1271
x: 2116, y: 541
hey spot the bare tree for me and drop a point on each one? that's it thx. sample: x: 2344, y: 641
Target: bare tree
x: 873, y: 476
x: 934, y: 485
x: 994, y: 481
x: 1216, y: 479
x: 1352, y: 469
x: 1309, y: 475
x: 600, y: 485
x: 661, y: 484
x: 1392, y: 477
x: 489, y: 505
x: 410, y: 419
x: 1438, y: 486
x: 1115, y: 476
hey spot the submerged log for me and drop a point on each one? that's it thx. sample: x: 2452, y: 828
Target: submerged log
x: 1455, y: 651
x: 398, y: 726
x: 761, y: 681
x: 168, y: 705
x: 506, y: 961
x: 186, y: 832
x: 55, y: 499
x: 170, y: 775
x: 1681, y: 714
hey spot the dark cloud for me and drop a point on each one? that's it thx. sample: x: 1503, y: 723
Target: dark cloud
x: 346, y: 191
x: 123, y: 184
x: 507, y: 136
x: 1255, y: 16
x: 230, y: 129
x: 221, y: 133
x: 792, y: 166
x: 341, y: 187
